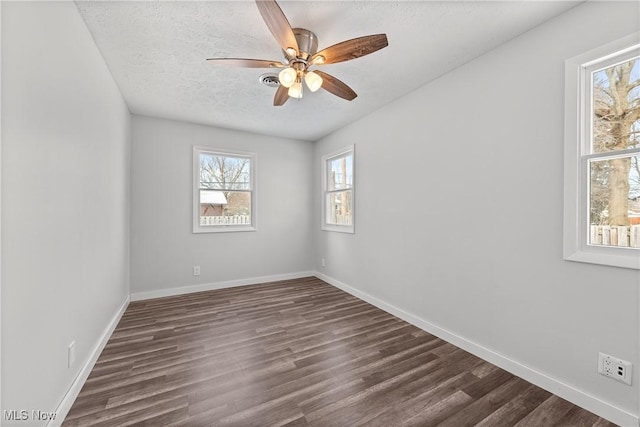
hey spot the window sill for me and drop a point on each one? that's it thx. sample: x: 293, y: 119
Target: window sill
x: 223, y: 229
x: 339, y: 228
x: 613, y: 257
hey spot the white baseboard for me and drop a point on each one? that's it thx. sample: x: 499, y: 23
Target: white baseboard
x: 565, y: 391
x: 138, y: 296
x: 67, y: 401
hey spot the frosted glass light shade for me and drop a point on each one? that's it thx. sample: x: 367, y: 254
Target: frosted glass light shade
x: 291, y: 52
x: 287, y: 77
x: 295, y: 91
x: 313, y: 81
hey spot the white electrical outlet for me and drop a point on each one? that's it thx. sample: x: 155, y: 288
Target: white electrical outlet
x: 324, y: 263
x: 196, y: 270
x: 612, y: 367
x: 71, y: 354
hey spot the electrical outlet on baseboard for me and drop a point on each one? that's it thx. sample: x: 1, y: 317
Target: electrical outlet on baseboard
x: 612, y: 367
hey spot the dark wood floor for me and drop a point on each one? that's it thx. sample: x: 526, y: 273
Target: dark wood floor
x: 297, y: 353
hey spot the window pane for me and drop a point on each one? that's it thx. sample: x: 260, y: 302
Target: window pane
x: 224, y: 173
x: 339, y: 208
x: 614, y: 202
x: 616, y: 107
x: 340, y: 173
x: 225, y: 207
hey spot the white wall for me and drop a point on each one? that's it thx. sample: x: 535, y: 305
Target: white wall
x: 163, y: 247
x: 65, y: 201
x: 459, y: 213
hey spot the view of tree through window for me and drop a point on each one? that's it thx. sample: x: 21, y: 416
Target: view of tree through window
x: 614, y: 194
x: 339, y: 190
x: 225, y: 189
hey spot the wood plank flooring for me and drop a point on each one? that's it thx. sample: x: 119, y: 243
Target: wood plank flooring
x: 297, y: 353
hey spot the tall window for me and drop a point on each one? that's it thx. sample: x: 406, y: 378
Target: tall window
x: 607, y: 153
x: 612, y: 151
x: 338, y: 186
x: 224, y: 191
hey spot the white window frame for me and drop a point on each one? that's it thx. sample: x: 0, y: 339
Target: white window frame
x: 197, y: 228
x: 577, y: 136
x: 325, y: 191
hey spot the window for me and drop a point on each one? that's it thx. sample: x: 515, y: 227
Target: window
x: 338, y: 191
x: 602, y: 155
x: 223, y: 191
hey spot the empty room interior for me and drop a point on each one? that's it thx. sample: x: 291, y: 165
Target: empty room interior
x: 327, y: 213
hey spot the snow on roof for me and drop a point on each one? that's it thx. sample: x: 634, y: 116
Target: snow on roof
x: 212, y: 197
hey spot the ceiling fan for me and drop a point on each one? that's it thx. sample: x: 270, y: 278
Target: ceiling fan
x: 300, y: 47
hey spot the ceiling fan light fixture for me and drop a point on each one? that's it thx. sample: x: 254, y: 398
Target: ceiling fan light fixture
x: 288, y: 77
x: 295, y: 91
x: 291, y: 52
x: 313, y: 81
x: 318, y: 60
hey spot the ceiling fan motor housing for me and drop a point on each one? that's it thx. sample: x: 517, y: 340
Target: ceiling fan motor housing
x: 307, y: 42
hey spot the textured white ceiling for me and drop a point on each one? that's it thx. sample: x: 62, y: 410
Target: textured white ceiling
x: 156, y: 52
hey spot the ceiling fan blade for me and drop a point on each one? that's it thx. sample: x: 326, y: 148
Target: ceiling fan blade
x: 282, y: 94
x: 336, y: 87
x: 351, y: 49
x: 246, y: 63
x: 278, y: 24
